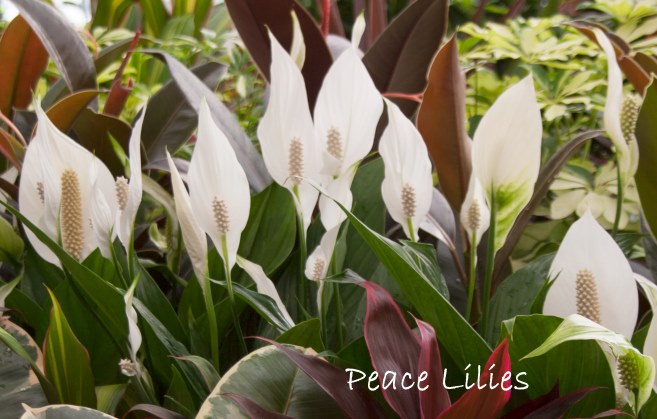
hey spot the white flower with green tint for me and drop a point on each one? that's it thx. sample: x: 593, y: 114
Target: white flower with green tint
x: 633, y: 372
x: 507, y: 154
x: 593, y: 279
x: 407, y: 187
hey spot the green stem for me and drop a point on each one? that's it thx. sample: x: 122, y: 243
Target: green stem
x: 212, y: 323
x: 231, y: 297
x: 338, y: 314
x: 619, y: 197
x: 303, y: 285
x: 473, y: 275
x: 411, y: 230
x: 490, y: 262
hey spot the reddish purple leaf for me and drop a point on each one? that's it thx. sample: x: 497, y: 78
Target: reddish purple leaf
x: 486, y: 402
x: 252, y: 408
x: 549, y: 405
x: 155, y: 412
x: 377, y: 20
x: 435, y: 399
x: 356, y: 403
x: 394, y: 349
x: 253, y: 17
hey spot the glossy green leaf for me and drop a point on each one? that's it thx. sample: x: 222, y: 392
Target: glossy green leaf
x: 109, y: 397
x: 11, y: 244
x: 155, y: 15
x: 210, y: 375
x: 306, y: 334
x: 646, y: 174
x: 67, y: 361
x: 574, y: 365
x: 284, y: 389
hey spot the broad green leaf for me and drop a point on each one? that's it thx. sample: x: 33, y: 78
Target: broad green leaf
x: 109, y: 397
x: 63, y: 411
x: 306, y: 334
x: 177, y: 397
x: 270, y: 232
x: 62, y: 42
x: 7, y: 288
x: 18, y: 382
x: 155, y: 16
x: 104, y: 301
x: 283, y: 389
x: 460, y: 341
x: 210, y: 375
x: 574, y: 365
x: 11, y: 244
x: 646, y: 174
x: 515, y: 295
x: 67, y: 361
x: 22, y: 61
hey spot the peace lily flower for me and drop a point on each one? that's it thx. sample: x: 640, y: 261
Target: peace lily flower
x: 218, y: 188
x: 346, y: 115
x: 320, y: 259
x: 650, y: 344
x: 507, y: 154
x: 633, y: 372
x: 593, y: 279
x: 407, y: 187
x: 129, y: 193
x: 287, y: 135
x: 620, y: 114
x: 475, y: 215
x: 193, y: 236
x: 102, y: 218
x: 56, y: 191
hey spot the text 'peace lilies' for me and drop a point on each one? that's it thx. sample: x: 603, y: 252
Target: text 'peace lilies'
x: 72, y: 196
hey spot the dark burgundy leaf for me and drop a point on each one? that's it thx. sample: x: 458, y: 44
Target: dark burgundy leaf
x: 156, y: 412
x: 356, y: 403
x: 435, y: 399
x: 252, y: 408
x: 377, y: 20
x: 549, y: 405
x: 394, y: 349
x: 399, y: 59
x: 253, y: 17
x: 486, y: 402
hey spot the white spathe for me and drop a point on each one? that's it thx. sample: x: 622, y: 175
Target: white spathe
x: 587, y: 246
x: 407, y: 187
x: 193, y: 235
x: 287, y: 135
x: 48, y: 155
x: 475, y: 215
x: 218, y: 188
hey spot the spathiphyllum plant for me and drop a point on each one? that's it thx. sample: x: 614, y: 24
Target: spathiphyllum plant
x: 297, y: 209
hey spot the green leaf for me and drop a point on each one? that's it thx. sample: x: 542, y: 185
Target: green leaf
x: 67, y: 361
x: 7, y: 288
x: 62, y: 42
x: 210, y: 375
x: 270, y: 232
x: 574, y: 365
x: 283, y: 389
x: 460, y: 341
x: 22, y: 61
x: 109, y: 397
x: 18, y: 382
x: 11, y: 244
x: 646, y: 174
x: 178, y: 397
x: 516, y: 294
x: 305, y: 334
x: 155, y: 15
x: 105, y: 302
x: 262, y: 304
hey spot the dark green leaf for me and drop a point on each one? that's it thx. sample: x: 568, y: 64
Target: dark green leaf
x: 646, y: 174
